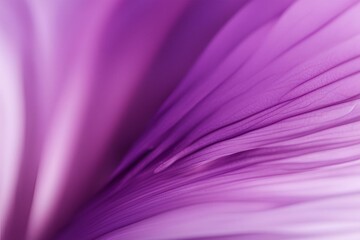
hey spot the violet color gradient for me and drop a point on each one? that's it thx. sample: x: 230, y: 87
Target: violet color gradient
x: 180, y: 119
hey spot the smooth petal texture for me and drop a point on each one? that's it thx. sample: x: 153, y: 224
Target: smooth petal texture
x: 180, y: 119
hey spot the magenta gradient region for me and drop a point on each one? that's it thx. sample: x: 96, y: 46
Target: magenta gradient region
x: 180, y: 119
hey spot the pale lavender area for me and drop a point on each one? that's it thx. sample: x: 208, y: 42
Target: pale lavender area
x: 180, y: 119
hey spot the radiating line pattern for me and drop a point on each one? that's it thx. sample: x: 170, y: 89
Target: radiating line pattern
x: 183, y: 119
